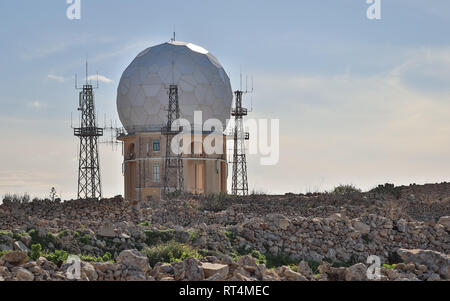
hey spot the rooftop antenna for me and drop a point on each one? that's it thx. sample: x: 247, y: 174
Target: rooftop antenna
x: 89, y: 180
x: 240, y: 179
x: 240, y: 74
x: 86, y: 71
x: 115, y: 133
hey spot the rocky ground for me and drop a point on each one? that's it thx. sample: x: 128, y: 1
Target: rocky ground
x: 317, y: 237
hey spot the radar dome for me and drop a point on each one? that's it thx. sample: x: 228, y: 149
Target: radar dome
x: 203, y: 85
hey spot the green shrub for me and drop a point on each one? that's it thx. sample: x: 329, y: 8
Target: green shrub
x: 260, y: 258
x: 274, y: 261
x: 155, y: 237
x: 85, y: 239
x: 169, y: 252
x: 231, y: 235
x: 314, y: 265
x: 36, y: 251
x: 388, y: 189
x: 62, y: 233
x: 4, y: 252
x: 389, y: 266
x: 89, y: 258
x: 346, y: 189
x: 43, y: 241
x: 271, y: 261
x: 145, y: 224
x: 58, y: 257
x: 193, y: 236
x: 5, y: 233
x: 107, y: 256
x: 18, y: 236
x: 16, y: 198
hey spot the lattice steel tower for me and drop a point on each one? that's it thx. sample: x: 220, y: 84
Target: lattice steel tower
x: 240, y: 181
x: 173, y: 163
x: 89, y: 181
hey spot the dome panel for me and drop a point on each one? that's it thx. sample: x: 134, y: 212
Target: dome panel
x: 138, y: 115
x: 203, y: 85
x: 187, y: 98
x: 151, y: 90
x: 200, y: 91
x: 144, y: 52
x: 152, y: 106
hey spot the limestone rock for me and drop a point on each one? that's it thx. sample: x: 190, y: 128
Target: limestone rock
x: 445, y: 221
x: 23, y: 274
x: 89, y: 270
x: 14, y: 258
x: 107, y: 230
x: 178, y: 271
x: 280, y: 221
x: 304, y: 269
x: 220, y: 271
x: 18, y: 245
x: 26, y: 239
x: 46, y: 264
x: 357, y: 272
x: 134, y: 259
x: 401, y: 225
x: 260, y: 271
x: 361, y: 227
x: 193, y: 270
x: 247, y: 260
x: 291, y: 275
x: 428, y: 258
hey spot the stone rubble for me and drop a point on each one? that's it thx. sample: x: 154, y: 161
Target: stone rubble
x: 336, y: 232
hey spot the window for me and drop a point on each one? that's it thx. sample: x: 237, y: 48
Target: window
x: 156, y: 177
x: 156, y: 146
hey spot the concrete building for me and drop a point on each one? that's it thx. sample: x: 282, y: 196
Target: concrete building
x: 142, y: 101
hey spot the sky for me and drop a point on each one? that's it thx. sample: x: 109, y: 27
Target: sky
x: 360, y: 101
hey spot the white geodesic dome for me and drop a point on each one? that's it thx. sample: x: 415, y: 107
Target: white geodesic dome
x: 203, y: 85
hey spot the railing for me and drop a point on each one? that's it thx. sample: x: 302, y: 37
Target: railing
x: 88, y: 132
x: 239, y: 112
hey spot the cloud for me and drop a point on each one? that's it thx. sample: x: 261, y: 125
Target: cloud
x: 100, y: 78
x: 58, y: 78
x: 45, y: 51
x: 49, y: 46
x: 426, y: 70
x: 36, y: 104
x: 363, y: 130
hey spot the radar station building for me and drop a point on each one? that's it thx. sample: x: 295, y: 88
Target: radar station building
x: 179, y: 78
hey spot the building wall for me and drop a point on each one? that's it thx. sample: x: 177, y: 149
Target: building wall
x: 203, y: 174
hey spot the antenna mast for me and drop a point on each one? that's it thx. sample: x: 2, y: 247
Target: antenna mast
x: 240, y: 179
x: 89, y: 181
x: 173, y: 163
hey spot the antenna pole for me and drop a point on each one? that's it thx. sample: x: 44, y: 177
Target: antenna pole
x: 86, y: 72
x: 240, y: 178
x: 173, y: 163
x: 89, y: 180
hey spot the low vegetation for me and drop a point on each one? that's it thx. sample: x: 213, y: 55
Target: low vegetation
x: 155, y: 237
x: 169, y: 252
x: 388, y: 189
x: 345, y: 190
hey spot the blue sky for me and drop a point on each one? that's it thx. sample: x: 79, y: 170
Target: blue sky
x: 359, y: 101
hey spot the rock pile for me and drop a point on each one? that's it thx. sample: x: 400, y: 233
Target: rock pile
x: 131, y: 265
x: 327, y: 236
